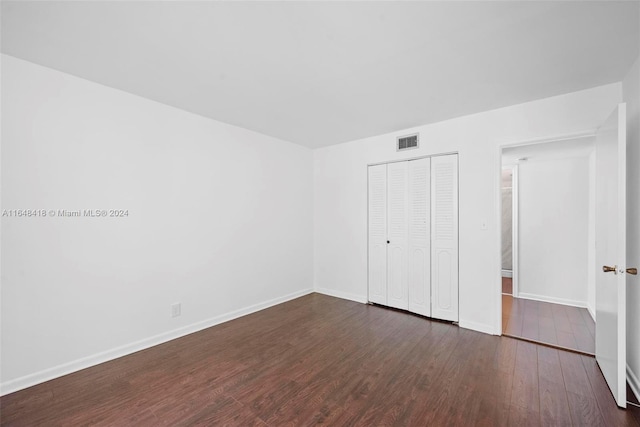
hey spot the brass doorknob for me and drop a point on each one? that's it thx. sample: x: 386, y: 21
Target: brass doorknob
x: 633, y: 271
x: 608, y: 269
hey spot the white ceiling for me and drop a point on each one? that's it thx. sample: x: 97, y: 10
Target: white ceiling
x: 567, y: 148
x: 320, y: 73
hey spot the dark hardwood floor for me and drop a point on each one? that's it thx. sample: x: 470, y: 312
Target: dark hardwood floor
x: 507, y: 285
x: 556, y: 324
x: 322, y: 360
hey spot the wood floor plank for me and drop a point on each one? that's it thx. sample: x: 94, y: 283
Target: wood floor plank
x: 612, y: 415
x: 567, y: 339
x: 547, y: 335
x: 554, y: 407
x: 585, y: 342
x: 513, y: 327
x: 322, y: 360
x: 562, y: 322
x: 574, y: 316
x: 545, y: 310
x: 519, y: 416
x: 584, y: 410
x: 507, y: 285
x: 575, y: 377
x: 524, y: 392
x: 569, y: 327
x: 530, y: 327
x: 549, y: 368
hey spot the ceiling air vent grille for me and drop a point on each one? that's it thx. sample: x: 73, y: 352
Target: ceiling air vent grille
x: 407, y: 142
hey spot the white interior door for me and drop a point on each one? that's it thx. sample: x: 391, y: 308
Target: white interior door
x: 420, y: 236
x: 378, y: 234
x: 444, y: 237
x: 397, y: 215
x: 611, y: 252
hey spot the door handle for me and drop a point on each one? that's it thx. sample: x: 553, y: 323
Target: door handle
x: 614, y: 269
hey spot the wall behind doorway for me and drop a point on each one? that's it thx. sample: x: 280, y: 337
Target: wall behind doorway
x: 507, y: 221
x: 554, y: 229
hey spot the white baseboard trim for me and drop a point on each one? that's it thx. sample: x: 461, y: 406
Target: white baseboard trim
x: 591, y: 312
x: 544, y: 298
x: 479, y: 327
x: 105, y: 356
x: 634, y: 382
x: 343, y: 295
x: 507, y: 273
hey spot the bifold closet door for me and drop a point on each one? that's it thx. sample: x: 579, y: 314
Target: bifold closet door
x: 397, y: 235
x: 444, y: 237
x: 419, y: 243
x: 378, y: 234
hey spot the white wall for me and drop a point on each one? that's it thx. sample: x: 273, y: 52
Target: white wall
x: 220, y: 219
x: 591, y: 239
x: 553, y: 196
x: 507, y: 220
x: 631, y: 94
x: 340, y: 196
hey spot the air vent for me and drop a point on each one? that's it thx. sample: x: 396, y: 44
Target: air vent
x: 407, y: 142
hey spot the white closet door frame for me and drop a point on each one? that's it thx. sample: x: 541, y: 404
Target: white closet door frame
x: 377, y: 225
x: 397, y: 235
x: 444, y: 237
x: 419, y: 249
x: 378, y: 276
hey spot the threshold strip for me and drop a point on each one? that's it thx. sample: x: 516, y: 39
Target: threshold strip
x: 546, y: 344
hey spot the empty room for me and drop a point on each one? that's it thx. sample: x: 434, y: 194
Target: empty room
x: 292, y: 213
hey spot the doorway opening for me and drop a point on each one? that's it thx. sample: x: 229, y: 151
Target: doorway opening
x: 548, y: 244
x: 509, y: 228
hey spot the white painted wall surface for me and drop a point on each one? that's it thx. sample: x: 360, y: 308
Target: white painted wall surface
x: 507, y: 229
x: 340, y: 193
x: 553, y: 198
x: 631, y: 94
x: 220, y: 219
x: 591, y: 239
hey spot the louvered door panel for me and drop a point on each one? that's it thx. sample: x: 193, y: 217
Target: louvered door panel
x: 444, y: 237
x: 397, y: 214
x: 378, y: 234
x: 419, y: 240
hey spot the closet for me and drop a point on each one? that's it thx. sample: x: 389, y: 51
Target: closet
x: 413, y: 235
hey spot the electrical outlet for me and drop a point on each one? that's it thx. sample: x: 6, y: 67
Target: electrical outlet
x: 175, y: 310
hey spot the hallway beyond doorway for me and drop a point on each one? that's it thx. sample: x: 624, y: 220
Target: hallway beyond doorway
x: 555, y: 324
x: 507, y: 285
